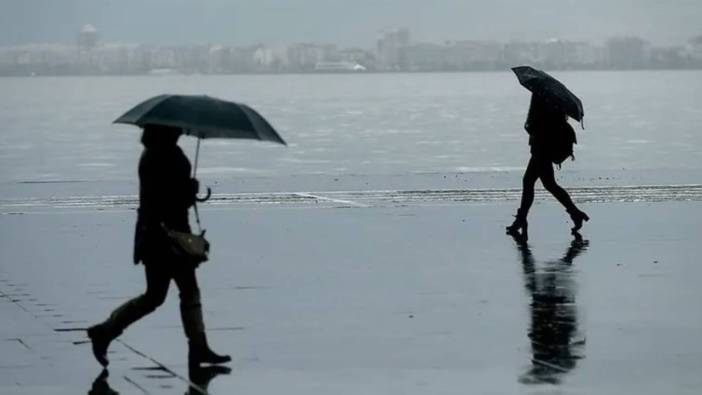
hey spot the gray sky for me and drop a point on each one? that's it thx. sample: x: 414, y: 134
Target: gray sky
x: 346, y: 22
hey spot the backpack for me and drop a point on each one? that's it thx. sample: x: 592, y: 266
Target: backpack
x: 560, y: 144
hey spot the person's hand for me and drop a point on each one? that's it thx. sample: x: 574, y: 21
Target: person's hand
x: 195, y: 185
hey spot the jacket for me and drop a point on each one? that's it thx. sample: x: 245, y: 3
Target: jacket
x: 542, y: 121
x: 166, y: 191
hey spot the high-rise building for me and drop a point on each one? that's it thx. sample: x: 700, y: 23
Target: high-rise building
x: 628, y: 52
x: 88, y: 37
x: 391, y: 46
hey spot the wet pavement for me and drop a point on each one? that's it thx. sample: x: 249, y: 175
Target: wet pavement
x: 369, y: 292
x: 368, y: 198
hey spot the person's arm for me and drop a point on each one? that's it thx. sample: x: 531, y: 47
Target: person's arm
x: 152, y: 188
x: 185, y: 188
x: 537, y: 112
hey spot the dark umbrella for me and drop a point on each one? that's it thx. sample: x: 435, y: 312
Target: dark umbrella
x: 203, y: 117
x: 541, y: 83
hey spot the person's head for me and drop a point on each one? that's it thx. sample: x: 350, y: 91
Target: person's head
x: 548, y: 108
x: 160, y: 136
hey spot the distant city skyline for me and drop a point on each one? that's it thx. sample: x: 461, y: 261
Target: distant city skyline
x: 394, y: 51
x: 349, y: 24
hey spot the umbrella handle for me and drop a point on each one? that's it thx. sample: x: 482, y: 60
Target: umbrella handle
x: 207, y: 196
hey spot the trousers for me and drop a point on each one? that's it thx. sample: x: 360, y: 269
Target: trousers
x: 540, y: 167
x: 158, y: 279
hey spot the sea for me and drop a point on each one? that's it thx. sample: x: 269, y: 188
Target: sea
x: 640, y: 127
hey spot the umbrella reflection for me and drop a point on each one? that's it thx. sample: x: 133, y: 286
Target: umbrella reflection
x: 555, y: 342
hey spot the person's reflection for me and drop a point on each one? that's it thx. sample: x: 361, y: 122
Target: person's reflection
x: 554, y: 318
x: 100, y: 385
x: 199, y: 376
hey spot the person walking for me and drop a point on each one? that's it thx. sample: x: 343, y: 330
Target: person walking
x: 166, y: 192
x: 544, y: 121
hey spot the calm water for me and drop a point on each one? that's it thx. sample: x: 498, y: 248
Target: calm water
x: 376, y: 124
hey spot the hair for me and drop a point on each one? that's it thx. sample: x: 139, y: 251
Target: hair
x: 160, y: 135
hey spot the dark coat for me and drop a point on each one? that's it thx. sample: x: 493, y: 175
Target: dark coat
x: 166, y: 191
x: 542, y: 121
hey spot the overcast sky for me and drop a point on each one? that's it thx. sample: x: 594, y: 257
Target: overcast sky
x: 345, y: 22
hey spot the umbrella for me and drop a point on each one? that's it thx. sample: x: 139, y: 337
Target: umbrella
x: 203, y: 117
x: 540, y: 83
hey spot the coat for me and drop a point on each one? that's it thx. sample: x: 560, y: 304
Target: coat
x: 166, y: 191
x: 543, y: 120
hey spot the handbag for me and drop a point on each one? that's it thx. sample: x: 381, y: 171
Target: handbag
x: 190, y: 247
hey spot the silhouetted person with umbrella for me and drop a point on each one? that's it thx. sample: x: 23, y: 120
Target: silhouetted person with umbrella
x: 166, y: 191
x: 543, y: 122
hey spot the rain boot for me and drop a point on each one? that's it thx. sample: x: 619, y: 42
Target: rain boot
x: 100, y: 338
x: 199, y: 352
x: 520, y: 222
x: 578, y: 217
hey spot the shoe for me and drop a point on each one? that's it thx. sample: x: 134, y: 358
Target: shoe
x: 199, y: 352
x: 578, y: 217
x: 520, y: 222
x: 101, y: 341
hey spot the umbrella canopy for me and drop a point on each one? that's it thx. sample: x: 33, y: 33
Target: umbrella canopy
x: 540, y: 83
x: 203, y: 117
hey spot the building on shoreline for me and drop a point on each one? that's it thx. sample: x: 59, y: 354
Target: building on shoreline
x: 393, y: 52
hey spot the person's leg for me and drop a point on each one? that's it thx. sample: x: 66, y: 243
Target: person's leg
x: 157, y: 280
x: 190, y: 306
x: 531, y: 174
x: 548, y: 179
x: 191, y: 314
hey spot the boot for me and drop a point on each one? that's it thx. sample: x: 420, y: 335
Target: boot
x: 100, y: 338
x: 578, y: 217
x: 520, y: 222
x: 199, y: 352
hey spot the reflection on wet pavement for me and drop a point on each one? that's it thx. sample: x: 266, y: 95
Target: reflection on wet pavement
x: 201, y: 377
x: 199, y: 380
x: 555, y: 343
x: 455, y: 306
x: 101, y: 386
